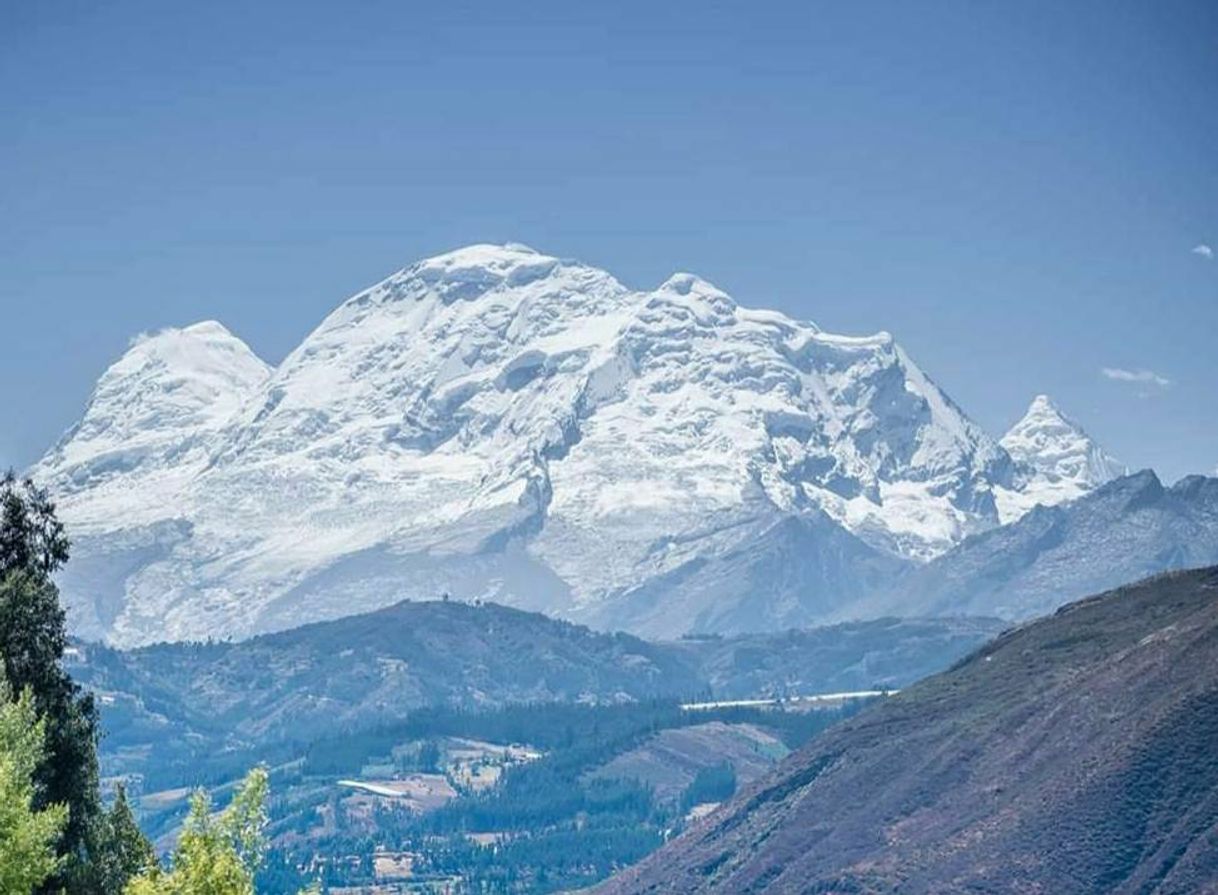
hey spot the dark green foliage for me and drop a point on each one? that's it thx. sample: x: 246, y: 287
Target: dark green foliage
x: 190, y: 710
x: 32, y: 539
x: 123, y: 851
x: 547, y: 861
x: 714, y: 784
x: 32, y: 642
x: 279, y: 873
x: 428, y: 758
x: 561, y: 826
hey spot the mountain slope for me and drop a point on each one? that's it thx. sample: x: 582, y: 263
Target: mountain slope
x: 500, y: 423
x: 370, y: 669
x: 1125, y: 530
x: 1072, y: 755
x: 377, y: 667
x: 843, y: 658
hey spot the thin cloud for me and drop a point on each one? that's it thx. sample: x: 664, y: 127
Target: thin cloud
x: 1139, y: 377
x: 1204, y: 251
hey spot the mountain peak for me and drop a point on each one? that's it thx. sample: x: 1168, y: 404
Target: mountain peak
x: 464, y: 274
x: 1058, y: 447
x: 201, y: 332
x: 494, y: 395
x: 480, y: 254
x: 208, y: 329
x: 156, y: 405
x: 1041, y: 404
x: 684, y: 283
x: 1042, y: 422
x: 198, y: 363
x: 1058, y: 459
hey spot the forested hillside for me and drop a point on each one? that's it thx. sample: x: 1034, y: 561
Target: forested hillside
x: 195, y: 712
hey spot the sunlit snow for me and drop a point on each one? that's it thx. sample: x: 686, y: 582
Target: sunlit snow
x: 495, y: 421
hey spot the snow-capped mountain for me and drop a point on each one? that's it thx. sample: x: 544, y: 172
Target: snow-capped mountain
x: 1123, y: 531
x: 151, y: 423
x: 1058, y: 460
x: 497, y: 422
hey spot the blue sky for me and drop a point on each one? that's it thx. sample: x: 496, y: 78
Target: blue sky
x: 1014, y: 190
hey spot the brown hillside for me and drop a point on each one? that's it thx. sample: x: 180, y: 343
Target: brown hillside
x: 1076, y: 754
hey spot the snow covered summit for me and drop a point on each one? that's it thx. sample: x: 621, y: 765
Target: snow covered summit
x: 497, y: 422
x: 150, y: 423
x: 1058, y: 460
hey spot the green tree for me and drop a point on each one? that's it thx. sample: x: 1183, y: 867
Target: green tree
x: 216, y: 855
x: 31, y: 536
x: 32, y: 641
x: 715, y: 783
x: 122, y: 851
x: 33, y: 636
x: 27, y: 835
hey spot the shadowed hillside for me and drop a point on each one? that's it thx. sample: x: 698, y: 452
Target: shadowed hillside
x: 1075, y: 754
x: 184, y: 704
x: 377, y: 666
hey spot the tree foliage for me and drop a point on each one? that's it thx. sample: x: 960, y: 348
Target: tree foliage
x: 33, y: 637
x: 32, y: 641
x: 123, y: 851
x: 27, y: 835
x: 216, y: 855
x: 32, y: 538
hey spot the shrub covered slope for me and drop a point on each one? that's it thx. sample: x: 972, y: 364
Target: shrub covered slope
x: 1075, y: 754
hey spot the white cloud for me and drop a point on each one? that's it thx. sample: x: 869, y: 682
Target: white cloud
x: 1141, y: 377
x: 1204, y: 251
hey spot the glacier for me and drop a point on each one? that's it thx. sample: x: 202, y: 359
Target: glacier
x: 497, y: 423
